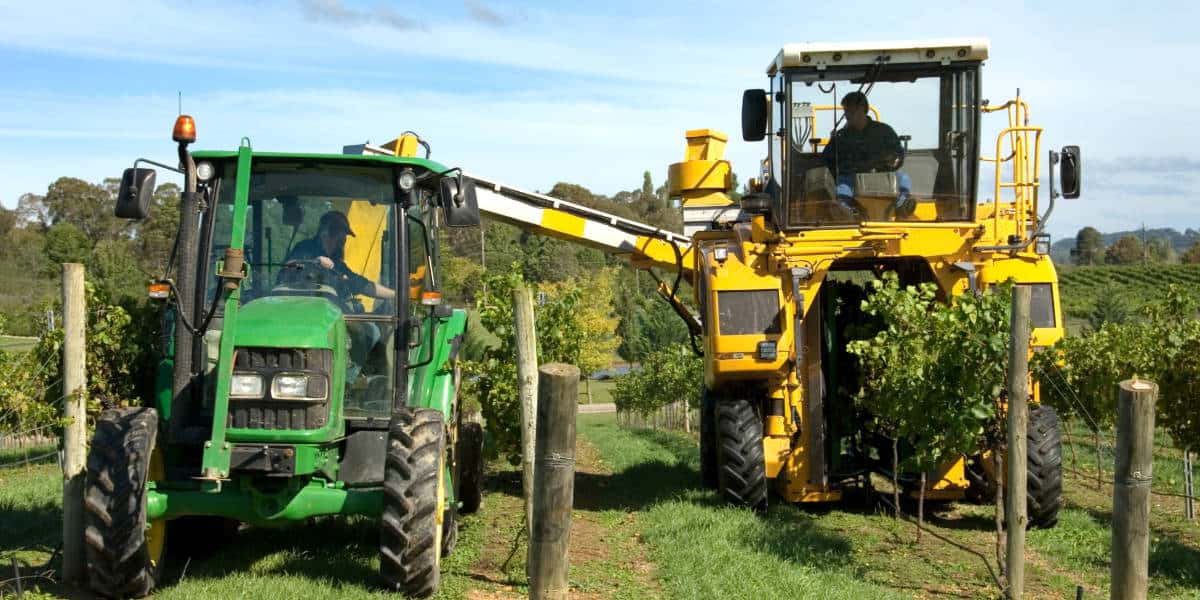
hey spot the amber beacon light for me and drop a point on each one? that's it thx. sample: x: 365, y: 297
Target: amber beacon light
x: 185, y: 129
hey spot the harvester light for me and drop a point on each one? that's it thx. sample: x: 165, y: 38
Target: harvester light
x: 767, y: 350
x: 1041, y: 244
x: 204, y: 170
x: 246, y: 385
x: 185, y: 129
x: 158, y: 291
x: 407, y: 179
x: 721, y: 253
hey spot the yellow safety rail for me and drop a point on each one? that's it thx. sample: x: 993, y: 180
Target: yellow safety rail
x: 1026, y: 166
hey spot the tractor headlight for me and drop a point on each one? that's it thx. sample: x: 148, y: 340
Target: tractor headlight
x: 246, y: 385
x: 298, y: 386
x: 204, y: 170
x: 407, y: 179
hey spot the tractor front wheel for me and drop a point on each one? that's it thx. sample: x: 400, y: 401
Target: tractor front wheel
x: 123, y: 558
x: 413, y: 502
x: 742, y: 473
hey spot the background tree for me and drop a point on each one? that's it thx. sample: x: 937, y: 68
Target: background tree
x: 1128, y: 250
x: 87, y: 206
x: 1089, y: 246
x: 1160, y: 250
x: 1191, y: 255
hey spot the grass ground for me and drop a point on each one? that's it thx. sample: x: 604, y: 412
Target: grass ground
x: 14, y: 343
x: 644, y: 528
x: 601, y: 391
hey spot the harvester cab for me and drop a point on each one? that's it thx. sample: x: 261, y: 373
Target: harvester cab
x: 310, y: 365
x: 874, y: 161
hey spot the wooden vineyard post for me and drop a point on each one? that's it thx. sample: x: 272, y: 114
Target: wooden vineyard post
x: 1131, y: 490
x: 75, y: 414
x: 527, y: 386
x: 554, y: 490
x: 1018, y: 424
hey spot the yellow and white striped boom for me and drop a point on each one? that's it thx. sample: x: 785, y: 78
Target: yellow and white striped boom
x: 643, y: 245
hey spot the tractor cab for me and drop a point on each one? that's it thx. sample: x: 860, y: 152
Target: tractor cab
x: 904, y: 148
x: 322, y: 234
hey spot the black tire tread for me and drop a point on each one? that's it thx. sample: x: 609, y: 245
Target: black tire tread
x: 470, y: 467
x: 708, y: 441
x: 114, y: 504
x: 743, y: 472
x: 409, y: 560
x: 1043, y: 481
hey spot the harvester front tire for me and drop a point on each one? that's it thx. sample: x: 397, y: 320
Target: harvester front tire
x: 743, y: 473
x: 1043, y: 481
x: 411, y: 535
x: 120, y: 561
x: 469, y: 483
x: 708, y: 441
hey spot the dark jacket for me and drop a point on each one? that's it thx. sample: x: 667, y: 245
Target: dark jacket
x: 353, y: 282
x: 875, y: 147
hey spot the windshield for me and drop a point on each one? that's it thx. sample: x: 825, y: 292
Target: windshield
x: 878, y: 143
x: 322, y: 230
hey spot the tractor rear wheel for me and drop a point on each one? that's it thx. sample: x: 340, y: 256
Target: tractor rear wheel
x: 413, y: 501
x: 1043, y: 481
x: 708, y: 440
x: 469, y: 482
x: 742, y: 475
x: 123, y: 558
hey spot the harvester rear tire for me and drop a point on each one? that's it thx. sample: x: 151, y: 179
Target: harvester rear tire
x: 120, y: 561
x: 1043, y: 481
x: 469, y: 484
x: 708, y: 441
x: 410, y: 537
x: 742, y: 474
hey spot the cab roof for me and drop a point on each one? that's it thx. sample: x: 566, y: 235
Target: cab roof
x: 933, y: 51
x: 324, y: 157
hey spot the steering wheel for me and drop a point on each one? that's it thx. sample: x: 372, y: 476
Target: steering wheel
x: 308, y: 275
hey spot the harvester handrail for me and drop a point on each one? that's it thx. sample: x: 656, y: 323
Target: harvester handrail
x: 1023, y: 178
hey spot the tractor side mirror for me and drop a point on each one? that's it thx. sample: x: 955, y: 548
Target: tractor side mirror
x: 1070, y: 171
x: 133, y: 198
x: 754, y: 115
x: 459, y: 202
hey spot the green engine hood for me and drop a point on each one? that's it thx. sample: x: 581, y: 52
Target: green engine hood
x: 288, y: 322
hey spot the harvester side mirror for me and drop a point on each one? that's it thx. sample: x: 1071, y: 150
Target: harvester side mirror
x: 459, y: 202
x: 754, y: 115
x: 1070, y: 171
x: 133, y: 199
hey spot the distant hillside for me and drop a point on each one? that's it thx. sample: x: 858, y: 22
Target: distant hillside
x: 1060, y: 250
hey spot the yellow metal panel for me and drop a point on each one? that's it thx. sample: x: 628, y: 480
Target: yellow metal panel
x: 705, y: 144
x: 775, y: 450
x: 564, y: 223
x: 364, y: 251
x: 698, y: 175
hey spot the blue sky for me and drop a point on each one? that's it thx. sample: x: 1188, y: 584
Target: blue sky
x: 594, y: 93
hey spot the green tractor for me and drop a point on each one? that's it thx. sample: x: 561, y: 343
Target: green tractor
x: 309, y: 365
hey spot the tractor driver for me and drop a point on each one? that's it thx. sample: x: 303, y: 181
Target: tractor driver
x: 863, y: 145
x: 328, y: 250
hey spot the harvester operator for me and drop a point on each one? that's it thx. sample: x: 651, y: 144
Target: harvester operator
x: 863, y: 145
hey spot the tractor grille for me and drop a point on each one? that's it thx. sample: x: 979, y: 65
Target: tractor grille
x: 269, y: 413
x: 748, y: 312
